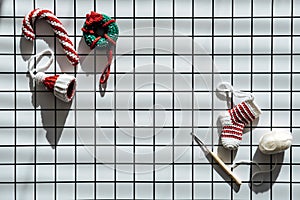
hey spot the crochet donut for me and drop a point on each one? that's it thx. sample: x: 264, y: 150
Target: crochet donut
x: 100, y: 30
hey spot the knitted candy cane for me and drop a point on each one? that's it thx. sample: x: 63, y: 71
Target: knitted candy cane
x: 58, y: 29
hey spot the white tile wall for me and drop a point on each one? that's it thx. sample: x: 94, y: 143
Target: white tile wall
x: 135, y: 142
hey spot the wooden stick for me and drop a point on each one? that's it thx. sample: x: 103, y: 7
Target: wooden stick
x: 225, y: 168
x: 218, y: 160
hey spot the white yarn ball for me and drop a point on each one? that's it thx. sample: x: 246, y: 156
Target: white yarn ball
x: 275, y: 141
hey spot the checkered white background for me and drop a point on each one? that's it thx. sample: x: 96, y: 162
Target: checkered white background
x: 132, y: 141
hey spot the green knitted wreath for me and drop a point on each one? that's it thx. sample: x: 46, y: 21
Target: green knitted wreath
x: 95, y: 25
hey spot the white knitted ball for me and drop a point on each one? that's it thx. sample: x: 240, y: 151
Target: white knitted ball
x: 275, y: 141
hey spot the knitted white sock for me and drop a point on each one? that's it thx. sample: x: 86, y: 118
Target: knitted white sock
x: 234, y: 121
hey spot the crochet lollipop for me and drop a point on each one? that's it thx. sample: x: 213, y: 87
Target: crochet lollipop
x: 57, y: 27
x: 63, y: 86
x: 99, y: 30
x: 234, y: 120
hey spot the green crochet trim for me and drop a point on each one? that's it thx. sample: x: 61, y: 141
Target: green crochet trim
x: 112, y: 32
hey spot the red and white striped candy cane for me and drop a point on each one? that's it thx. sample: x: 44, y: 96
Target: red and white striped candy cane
x: 57, y: 27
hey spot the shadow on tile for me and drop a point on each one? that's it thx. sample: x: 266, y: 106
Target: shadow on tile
x: 271, y: 165
x: 1, y: 2
x: 53, y: 112
x: 220, y: 171
x: 93, y: 61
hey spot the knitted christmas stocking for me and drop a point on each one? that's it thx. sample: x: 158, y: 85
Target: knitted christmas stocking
x: 234, y: 120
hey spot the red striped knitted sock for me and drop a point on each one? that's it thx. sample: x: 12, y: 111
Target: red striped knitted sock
x: 234, y: 121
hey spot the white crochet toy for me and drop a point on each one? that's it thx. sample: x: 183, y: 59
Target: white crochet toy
x: 63, y: 86
x: 234, y: 120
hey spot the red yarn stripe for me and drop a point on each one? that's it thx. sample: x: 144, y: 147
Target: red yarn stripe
x: 232, y: 115
x: 53, y: 18
x: 106, y: 72
x: 26, y: 26
x: 39, y: 14
x: 95, y: 42
x: 240, y: 115
x: 87, y: 31
x: 108, y: 23
x: 234, y: 128
x: 110, y: 56
x: 27, y: 35
x: 244, y: 112
x: 31, y: 13
x: 109, y: 39
x: 73, y: 60
x: 231, y: 136
x: 234, y: 118
x: 65, y: 39
x: 50, y: 81
x: 30, y: 16
x: 249, y: 111
x: 60, y: 29
x: 232, y: 131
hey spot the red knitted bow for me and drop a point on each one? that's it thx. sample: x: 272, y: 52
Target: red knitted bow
x: 92, y: 18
